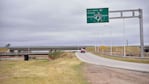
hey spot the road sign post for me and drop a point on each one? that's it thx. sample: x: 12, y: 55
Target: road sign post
x: 97, y: 15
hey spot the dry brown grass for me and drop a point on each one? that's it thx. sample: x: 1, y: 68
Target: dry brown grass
x: 117, y: 50
x: 64, y: 70
x: 3, y: 49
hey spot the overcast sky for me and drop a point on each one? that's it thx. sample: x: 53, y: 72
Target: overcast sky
x: 63, y: 22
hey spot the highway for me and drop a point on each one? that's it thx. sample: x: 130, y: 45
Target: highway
x: 93, y: 59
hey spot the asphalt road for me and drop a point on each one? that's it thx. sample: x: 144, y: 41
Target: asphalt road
x: 93, y: 59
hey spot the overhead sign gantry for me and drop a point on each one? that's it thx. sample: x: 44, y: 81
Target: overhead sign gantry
x: 100, y: 15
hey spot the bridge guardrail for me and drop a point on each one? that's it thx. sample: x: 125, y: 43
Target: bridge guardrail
x: 22, y: 53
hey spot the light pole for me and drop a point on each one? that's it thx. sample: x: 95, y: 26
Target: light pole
x: 124, y: 39
x: 111, y: 48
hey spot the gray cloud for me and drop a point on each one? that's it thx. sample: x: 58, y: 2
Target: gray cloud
x: 46, y: 22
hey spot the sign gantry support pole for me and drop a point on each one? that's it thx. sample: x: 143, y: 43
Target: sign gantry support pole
x: 136, y: 13
x: 141, y: 32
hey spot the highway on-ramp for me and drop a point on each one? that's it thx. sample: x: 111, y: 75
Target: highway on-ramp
x: 93, y: 59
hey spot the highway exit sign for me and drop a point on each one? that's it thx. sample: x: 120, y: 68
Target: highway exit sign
x: 97, y: 15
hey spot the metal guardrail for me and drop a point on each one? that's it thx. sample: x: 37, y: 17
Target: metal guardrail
x: 23, y: 53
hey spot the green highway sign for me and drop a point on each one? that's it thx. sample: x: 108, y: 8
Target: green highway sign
x: 97, y: 15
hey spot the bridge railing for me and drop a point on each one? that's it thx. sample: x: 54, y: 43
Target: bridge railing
x: 22, y: 53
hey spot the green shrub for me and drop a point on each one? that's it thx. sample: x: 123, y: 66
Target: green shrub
x: 54, y: 55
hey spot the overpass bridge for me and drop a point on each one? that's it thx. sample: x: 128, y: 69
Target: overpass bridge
x: 22, y: 50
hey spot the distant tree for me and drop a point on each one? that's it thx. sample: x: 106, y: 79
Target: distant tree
x: 8, y: 45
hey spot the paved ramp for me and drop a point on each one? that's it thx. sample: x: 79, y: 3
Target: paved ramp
x: 93, y: 59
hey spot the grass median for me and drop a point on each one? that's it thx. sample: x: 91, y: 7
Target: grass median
x: 64, y: 70
x: 127, y: 59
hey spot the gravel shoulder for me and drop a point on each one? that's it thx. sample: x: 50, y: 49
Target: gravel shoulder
x: 96, y: 74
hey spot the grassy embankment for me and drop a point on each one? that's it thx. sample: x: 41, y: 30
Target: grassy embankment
x: 3, y: 49
x: 63, y: 70
x: 120, y: 58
